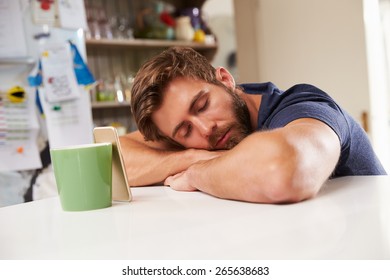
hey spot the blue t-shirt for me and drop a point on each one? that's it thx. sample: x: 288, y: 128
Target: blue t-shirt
x: 278, y: 108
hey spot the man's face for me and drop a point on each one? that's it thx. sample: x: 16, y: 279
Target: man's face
x: 199, y: 115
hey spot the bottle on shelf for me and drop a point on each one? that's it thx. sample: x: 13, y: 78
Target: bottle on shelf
x: 184, y: 30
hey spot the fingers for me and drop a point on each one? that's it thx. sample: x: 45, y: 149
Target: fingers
x: 179, y: 182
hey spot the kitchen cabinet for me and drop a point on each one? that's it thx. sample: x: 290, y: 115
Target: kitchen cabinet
x: 115, y: 60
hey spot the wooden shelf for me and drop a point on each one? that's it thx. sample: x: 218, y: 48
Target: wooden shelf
x: 109, y: 104
x: 144, y: 43
x: 208, y: 50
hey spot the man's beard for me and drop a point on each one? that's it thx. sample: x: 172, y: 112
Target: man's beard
x: 239, y: 128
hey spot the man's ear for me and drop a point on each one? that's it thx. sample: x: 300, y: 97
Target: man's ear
x: 225, y: 77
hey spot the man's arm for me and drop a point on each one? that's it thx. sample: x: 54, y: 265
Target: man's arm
x: 150, y: 162
x: 288, y: 164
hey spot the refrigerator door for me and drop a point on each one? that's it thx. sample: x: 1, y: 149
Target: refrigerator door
x: 71, y: 124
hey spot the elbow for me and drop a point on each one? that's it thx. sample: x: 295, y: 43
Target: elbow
x: 133, y: 178
x: 288, y: 180
x: 134, y: 181
x: 284, y: 186
x: 136, y: 177
x: 289, y: 190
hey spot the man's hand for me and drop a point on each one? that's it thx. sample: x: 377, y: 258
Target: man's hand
x: 180, y: 182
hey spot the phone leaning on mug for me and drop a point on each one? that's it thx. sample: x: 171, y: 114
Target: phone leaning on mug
x: 120, y: 187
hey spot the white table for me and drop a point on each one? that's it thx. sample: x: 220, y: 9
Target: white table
x: 350, y: 219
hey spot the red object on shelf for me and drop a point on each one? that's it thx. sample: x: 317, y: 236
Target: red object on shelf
x: 167, y: 19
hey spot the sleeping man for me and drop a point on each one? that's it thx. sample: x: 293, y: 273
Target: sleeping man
x: 198, y: 130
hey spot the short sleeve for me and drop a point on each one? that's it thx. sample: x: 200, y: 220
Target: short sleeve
x: 322, y: 111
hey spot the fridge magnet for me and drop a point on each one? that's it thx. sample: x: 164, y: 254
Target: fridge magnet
x: 16, y: 94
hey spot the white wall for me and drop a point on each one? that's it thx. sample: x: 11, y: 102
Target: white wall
x: 311, y: 41
x: 246, y: 35
x: 220, y: 18
x: 377, y: 36
x: 215, y: 8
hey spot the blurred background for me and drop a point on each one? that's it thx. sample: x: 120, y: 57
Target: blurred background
x: 341, y: 46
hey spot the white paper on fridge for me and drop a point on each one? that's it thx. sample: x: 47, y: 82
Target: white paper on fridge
x: 12, y: 36
x: 43, y: 15
x: 68, y: 122
x: 59, y: 79
x: 72, y: 14
x: 18, y: 134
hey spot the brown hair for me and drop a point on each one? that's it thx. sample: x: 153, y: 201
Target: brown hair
x: 155, y: 75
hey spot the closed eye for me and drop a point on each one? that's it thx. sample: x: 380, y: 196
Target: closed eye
x: 188, y: 130
x: 199, y: 104
x: 204, y: 106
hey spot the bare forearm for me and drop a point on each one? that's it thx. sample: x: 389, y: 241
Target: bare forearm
x: 148, y: 164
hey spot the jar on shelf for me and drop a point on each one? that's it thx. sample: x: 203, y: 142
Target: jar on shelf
x: 105, y: 90
x: 184, y: 30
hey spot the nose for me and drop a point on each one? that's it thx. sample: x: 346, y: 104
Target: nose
x: 205, y: 126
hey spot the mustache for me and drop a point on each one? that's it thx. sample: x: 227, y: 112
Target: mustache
x: 238, y: 131
x: 218, y: 133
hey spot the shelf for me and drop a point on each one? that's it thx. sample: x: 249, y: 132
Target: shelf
x: 142, y: 43
x: 208, y: 50
x: 109, y: 104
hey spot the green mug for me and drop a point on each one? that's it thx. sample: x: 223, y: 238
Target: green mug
x: 83, y: 176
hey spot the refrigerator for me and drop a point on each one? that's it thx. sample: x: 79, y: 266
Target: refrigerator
x: 44, y: 102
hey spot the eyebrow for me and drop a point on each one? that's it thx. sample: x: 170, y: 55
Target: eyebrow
x: 191, y: 109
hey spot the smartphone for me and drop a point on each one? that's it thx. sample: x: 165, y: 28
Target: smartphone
x: 120, y: 187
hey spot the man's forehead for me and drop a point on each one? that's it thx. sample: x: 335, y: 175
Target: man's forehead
x: 181, y: 89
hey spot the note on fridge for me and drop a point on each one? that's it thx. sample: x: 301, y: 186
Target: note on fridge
x: 58, y: 77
